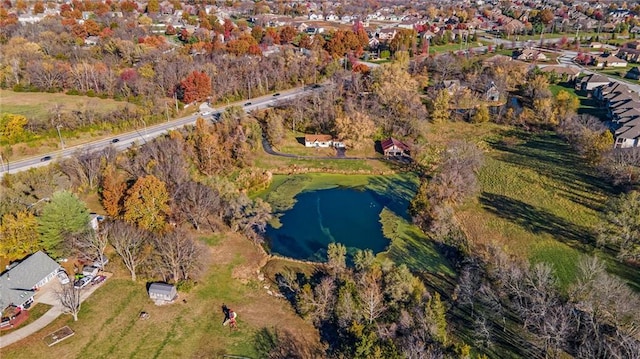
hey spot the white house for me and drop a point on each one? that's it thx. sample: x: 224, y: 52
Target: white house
x: 318, y: 141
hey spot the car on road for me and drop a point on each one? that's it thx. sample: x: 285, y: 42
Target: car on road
x: 276, y: 94
x: 316, y: 86
x: 63, y: 277
x: 45, y: 159
x: 82, y: 282
x: 248, y: 104
x: 115, y: 140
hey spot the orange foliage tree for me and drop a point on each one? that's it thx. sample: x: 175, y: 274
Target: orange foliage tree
x: 195, y: 87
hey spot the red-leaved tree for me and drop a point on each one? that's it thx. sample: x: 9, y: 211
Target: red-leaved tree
x: 195, y: 87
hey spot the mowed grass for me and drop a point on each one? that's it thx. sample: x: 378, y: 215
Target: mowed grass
x: 410, y: 246
x: 537, y: 200
x: 109, y: 326
x: 39, y: 105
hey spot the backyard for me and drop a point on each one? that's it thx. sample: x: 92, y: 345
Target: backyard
x: 109, y: 326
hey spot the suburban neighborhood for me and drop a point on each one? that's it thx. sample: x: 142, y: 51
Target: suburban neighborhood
x: 319, y: 179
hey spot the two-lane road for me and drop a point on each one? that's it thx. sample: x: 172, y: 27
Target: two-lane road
x: 141, y: 135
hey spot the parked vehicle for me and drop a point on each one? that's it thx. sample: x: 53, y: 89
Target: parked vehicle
x: 100, y: 264
x: 90, y: 271
x: 63, y: 277
x: 98, y: 279
x: 82, y: 282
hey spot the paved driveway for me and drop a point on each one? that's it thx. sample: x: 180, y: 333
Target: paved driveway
x: 48, y: 295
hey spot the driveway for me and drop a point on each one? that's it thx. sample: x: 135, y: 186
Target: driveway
x: 47, y: 295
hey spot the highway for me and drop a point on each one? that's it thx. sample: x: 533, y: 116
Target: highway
x: 141, y: 135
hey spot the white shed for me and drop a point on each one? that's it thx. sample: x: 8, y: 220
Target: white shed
x: 163, y: 292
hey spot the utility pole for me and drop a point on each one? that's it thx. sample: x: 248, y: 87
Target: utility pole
x: 59, y: 135
x: 175, y: 96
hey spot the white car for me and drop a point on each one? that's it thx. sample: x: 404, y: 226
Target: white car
x: 83, y: 282
x: 63, y: 277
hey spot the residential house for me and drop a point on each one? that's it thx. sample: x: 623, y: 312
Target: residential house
x: 590, y: 82
x: 566, y: 73
x: 608, y: 61
x: 530, y: 55
x: 20, y: 282
x: 628, y: 135
x: 629, y: 54
x: 393, y: 147
x: 162, y: 292
x: 452, y: 86
x: 387, y: 34
x: 318, y: 141
x: 492, y: 93
x: 633, y: 73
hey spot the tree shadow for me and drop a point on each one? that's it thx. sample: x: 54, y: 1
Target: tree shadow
x: 300, y: 140
x: 537, y: 220
x: 547, y: 154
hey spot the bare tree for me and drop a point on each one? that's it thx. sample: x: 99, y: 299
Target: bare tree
x: 84, y: 168
x: 195, y: 202
x: 70, y: 299
x: 93, y: 245
x: 129, y: 242
x: 371, y: 296
x: 177, y: 255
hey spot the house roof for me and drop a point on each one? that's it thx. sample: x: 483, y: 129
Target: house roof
x: 317, y: 138
x: 595, y: 78
x: 17, y: 283
x: 571, y: 71
x: 390, y: 142
x: 161, y: 288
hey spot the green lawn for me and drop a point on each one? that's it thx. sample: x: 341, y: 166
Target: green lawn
x: 588, y: 105
x: 539, y: 201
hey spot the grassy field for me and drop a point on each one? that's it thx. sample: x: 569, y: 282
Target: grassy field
x: 38, y: 107
x: 108, y: 325
x: 537, y: 199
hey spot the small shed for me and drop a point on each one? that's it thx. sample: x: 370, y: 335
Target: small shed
x: 163, y: 292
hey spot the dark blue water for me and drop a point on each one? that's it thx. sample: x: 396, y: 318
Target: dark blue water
x: 343, y: 215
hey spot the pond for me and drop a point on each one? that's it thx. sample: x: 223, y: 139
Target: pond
x: 349, y: 216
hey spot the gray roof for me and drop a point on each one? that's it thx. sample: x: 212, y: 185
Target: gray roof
x: 161, y: 288
x: 17, y: 283
x: 595, y: 78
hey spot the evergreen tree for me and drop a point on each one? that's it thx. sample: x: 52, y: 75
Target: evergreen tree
x: 64, y: 215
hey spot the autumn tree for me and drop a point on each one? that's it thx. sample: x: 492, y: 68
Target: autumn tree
x: 336, y: 257
x: 147, y: 204
x: 195, y: 87
x: 18, y: 235
x: 274, y: 128
x: 354, y: 129
x: 112, y: 192
x: 565, y: 104
x: 64, y: 215
x: 153, y: 6
x: 12, y: 128
x: 441, y: 112
x: 131, y: 244
x: 621, y: 227
x: 481, y: 115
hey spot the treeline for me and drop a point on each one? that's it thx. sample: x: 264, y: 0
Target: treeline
x: 156, y: 196
x: 370, y: 310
